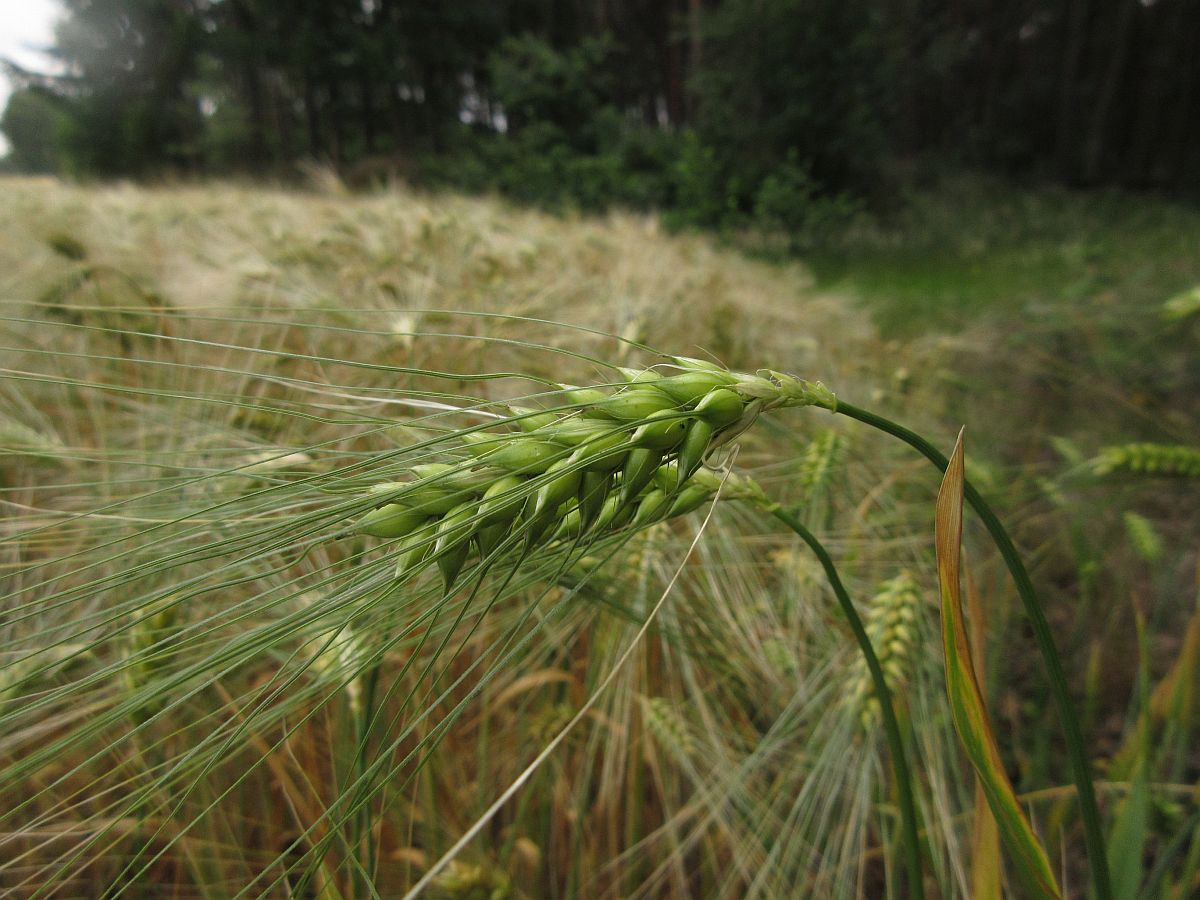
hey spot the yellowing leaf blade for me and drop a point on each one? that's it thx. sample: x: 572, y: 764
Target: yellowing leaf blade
x: 967, y: 708
x: 985, y: 836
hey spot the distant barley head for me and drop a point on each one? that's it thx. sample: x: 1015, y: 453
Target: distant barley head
x: 891, y: 623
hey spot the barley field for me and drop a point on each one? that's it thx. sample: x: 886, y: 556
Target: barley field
x: 215, y: 682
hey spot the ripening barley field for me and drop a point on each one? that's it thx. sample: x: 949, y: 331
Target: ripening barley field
x: 215, y: 683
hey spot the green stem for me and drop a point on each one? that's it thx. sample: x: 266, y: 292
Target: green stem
x: 891, y: 727
x: 1080, y: 768
x: 364, y: 843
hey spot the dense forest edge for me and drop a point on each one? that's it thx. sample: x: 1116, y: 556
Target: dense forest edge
x: 794, y: 116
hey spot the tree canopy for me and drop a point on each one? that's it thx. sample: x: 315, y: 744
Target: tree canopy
x: 709, y: 107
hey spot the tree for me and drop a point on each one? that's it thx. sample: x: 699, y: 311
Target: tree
x: 797, y: 79
x: 32, y: 121
x: 129, y: 63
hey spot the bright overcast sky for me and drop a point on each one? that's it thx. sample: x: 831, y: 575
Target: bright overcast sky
x: 26, y: 27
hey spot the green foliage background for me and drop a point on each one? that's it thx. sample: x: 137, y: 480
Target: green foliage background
x: 723, y: 113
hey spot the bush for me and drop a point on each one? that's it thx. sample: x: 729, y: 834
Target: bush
x: 33, y: 123
x: 705, y: 195
x: 565, y: 143
x: 563, y: 96
x: 790, y: 200
x: 566, y: 140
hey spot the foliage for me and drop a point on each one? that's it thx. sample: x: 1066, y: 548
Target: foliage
x: 32, y: 121
x: 127, y: 110
x: 790, y: 201
x: 706, y: 193
x: 967, y: 706
x: 562, y: 92
x: 797, y: 84
x: 784, y: 113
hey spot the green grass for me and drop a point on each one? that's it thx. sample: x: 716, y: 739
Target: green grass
x: 971, y: 249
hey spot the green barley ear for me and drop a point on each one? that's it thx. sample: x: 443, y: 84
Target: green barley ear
x: 1183, y: 305
x: 547, y: 721
x: 573, y: 432
x: 652, y: 506
x: 662, y: 430
x: 822, y: 472
x: 552, y: 479
x: 666, y: 726
x: 20, y: 440
x: 604, y: 453
x: 520, y: 457
x: 1149, y: 459
x: 721, y: 407
x: 640, y: 376
x: 1143, y: 536
x: 690, y: 498
x: 614, y: 514
x: 800, y: 392
x: 454, y: 534
x: 594, y: 489
x: 1067, y: 449
x: 436, y: 490
x: 473, y: 882
x: 639, y: 470
x: 502, y: 502
x: 749, y: 416
x: 563, y: 485
x: 892, y: 623
x: 691, y: 454
x: 822, y: 461
x: 149, y: 654
x: 689, y: 387
x: 530, y: 419
x: 416, y: 552
x: 702, y: 365
x: 633, y: 404
x: 391, y: 521
x: 67, y: 246
x: 580, y: 396
x: 570, y: 526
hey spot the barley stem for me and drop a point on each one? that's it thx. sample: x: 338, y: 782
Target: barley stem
x: 364, y: 840
x: 1080, y: 768
x: 891, y: 726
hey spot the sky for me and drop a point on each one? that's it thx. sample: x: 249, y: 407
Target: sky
x: 25, y: 25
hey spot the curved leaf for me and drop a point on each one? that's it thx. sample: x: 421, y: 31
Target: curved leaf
x: 967, y: 708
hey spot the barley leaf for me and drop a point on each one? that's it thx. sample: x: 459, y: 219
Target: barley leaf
x: 985, y: 835
x: 967, y: 708
x: 1127, y: 843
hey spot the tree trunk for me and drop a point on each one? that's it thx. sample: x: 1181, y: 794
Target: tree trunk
x: 1095, y: 145
x: 251, y: 77
x: 1179, y: 152
x: 670, y: 54
x: 1163, y: 69
x: 311, y: 119
x: 1068, y: 93
x: 367, y: 89
x: 336, y: 113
